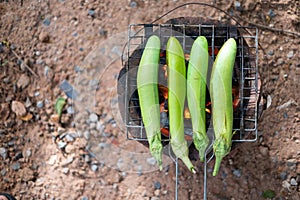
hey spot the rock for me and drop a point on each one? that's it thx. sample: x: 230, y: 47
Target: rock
x: 37, y: 93
x: 28, y: 103
x: 151, y: 161
x: 264, y: 151
x: 52, y: 160
x: 157, y: 192
x: 3, y: 172
x: 65, y: 170
x: 271, y: 13
x: 69, y: 138
x: 133, y: 4
x: 91, y: 12
x: 293, y: 182
x: 283, y: 175
x: 70, y: 110
x: 18, y: 108
x: 61, y: 144
x: 291, y: 162
x: 93, y: 117
x: 23, y: 81
x: 68, y: 89
x: 85, y: 198
x: 271, y: 53
x: 68, y: 161
x: 16, y: 166
x: 92, y: 126
x: 86, y: 135
x: 44, y: 37
x: 286, y: 185
x: 40, y: 104
x: 290, y: 54
x: 237, y: 5
x: 47, y: 22
x: 237, y: 173
x: 94, y: 168
x: 157, y: 185
x: 3, y: 153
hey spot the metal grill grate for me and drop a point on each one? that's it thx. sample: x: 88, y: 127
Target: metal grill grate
x: 245, y: 70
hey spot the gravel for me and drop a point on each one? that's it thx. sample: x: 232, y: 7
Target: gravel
x: 16, y: 166
x: 93, y: 117
x: 3, y: 153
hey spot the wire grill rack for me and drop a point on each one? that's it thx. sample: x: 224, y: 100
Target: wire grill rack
x: 245, y: 74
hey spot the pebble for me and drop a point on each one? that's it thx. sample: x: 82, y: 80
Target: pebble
x: 40, y: 104
x: 271, y: 13
x: 157, y: 192
x: 37, y: 53
x: 47, y: 22
x: 92, y: 126
x: 52, y: 160
x: 18, y: 108
x: 286, y: 184
x: 93, y: 117
x: 237, y: 173
x: 23, y: 81
x: 36, y: 94
x: 68, y: 89
x: 133, y: 4
x: 157, y: 185
x: 91, y: 12
x: 237, y: 5
x: 3, y: 153
x: 264, y: 151
x: 94, y: 168
x: 86, y: 135
x: 283, y: 175
x: 28, y: 103
x: 44, y: 37
x: 87, y: 158
x: 77, y: 69
x: 103, y: 32
x: 61, y: 144
x: 271, y: 53
x: 69, y: 138
x: 65, y: 170
x: 290, y: 54
x: 151, y: 161
x: 70, y: 110
x: 3, y: 172
x: 16, y: 166
x: 68, y: 161
x: 85, y: 198
x: 293, y: 182
x: 291, y: 162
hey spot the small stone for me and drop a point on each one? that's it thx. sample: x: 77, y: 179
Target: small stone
x: 86, y: 135
x: 85, y: 198
x: 157, y: 185
x: 65, y: 170
x: 37, y: 53
x: 28, y: 103
x: 94, y: 168
x: 283, y: 175
x: 87, y: 158
x: 237, y: 5
x: 70, y: 110
x: 91, y: 12
x: 151, y: 161
x: 68, y: 161
x: 40, y: 104
x: 271, y: 53
x: 93, y: 117
x: 291, y: 162
x: 69, y: 138
x: 28, y: 153
x: 293, y: 182
x: 157, y: 192
x: 103, y: 32
x: 237, y: 173
x: 133, y: 4
x: 23, y: 81
x: 264, y: 151
x: 52, y: 160
x: 92, y: 126
x: 37, y: 93
x: 61, y: 144
x: 68, y: 89
x: 3, y: 172
x: 3, y: 153
x: 286, y: 184
x: 16, y: 166
x: 44, y: 37
x: 18, y: 108
x: 46, y: 22
x: 290, y: 54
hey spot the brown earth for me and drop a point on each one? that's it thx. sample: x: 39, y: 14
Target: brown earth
x: 41, y: 158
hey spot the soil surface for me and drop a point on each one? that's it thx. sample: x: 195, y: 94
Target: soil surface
x: 48, y: 47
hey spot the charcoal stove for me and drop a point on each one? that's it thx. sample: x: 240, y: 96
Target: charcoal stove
x: 246, y: 80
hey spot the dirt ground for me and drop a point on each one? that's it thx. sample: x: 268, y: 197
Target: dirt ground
x: 86, y: 155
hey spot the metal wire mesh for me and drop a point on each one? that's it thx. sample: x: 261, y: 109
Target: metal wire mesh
x: 245, y: 73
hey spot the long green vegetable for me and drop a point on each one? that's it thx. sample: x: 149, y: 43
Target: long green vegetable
x: 176, y: 98
x: 196, y: 93
x: 148, y: 96
x: 221, y: 99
